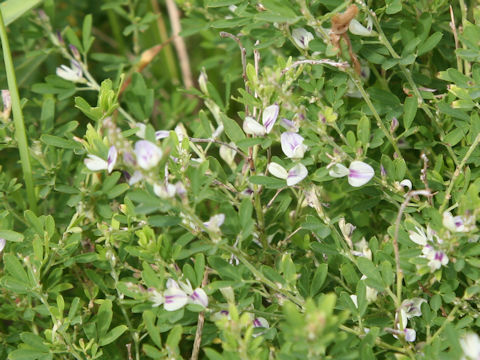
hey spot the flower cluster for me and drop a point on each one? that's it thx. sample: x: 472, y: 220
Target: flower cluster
x: 429, y: 241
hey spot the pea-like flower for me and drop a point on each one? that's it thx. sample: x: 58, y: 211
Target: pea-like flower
x: 458, y: 223
x: 470, y: 344
x: 302, y: 37
x: 148, y: 154
x: 73, y: 73
x: 111, y: 158
x: 359, y: 173
x: 269, y: 117
x: 292, y: 145
x: 293, y: 176
x: 358, y: 29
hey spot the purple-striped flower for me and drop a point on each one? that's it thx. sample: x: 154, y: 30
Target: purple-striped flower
x: 175, y: 299
x: 293, y: 176
x: 458, y: 223
x: 95, y: 163
x: 269, y: 117
x: 74, y: 73
x: 302, y: 37
x: 112, y: 158
x: 292, y: 145
x: 359, y: 173
x: 199, y: 297
x: 148, y: 154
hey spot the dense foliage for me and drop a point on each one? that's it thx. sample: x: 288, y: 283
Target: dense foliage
x: 233, y: 179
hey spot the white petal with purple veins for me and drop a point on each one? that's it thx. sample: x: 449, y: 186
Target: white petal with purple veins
x: 174, y: 299
x: 136, y: 177
x: 148, y: 154
x: 260, y: 322
x: 162, y: 134
x: 410, y: 335
x: 292, y: 145
x: 360, y: 173
x: 302, y: 37
x: 94, y: 163
x: 277, y: 170
x: 269, y: 117
x: 112, y: 158
x: 296, y: 174
x: 199, y: 297
x: 252, y: 127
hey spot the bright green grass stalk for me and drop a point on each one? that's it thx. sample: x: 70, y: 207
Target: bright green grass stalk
x: 18, y: 117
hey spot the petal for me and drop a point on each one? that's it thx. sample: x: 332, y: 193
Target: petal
x: 410, y: 335
x: 112, y: 158
x: 296, y: 174
x: 407, y: 183
x: 174, y: 299
x: 277, y: 170
x: 136, y: 177
x: 288, y: 125
x: 157, y: 298
x: 141, y: 132
x: 292, y: 145
x: 252, y: 127
x: 199, y: 297
x: 162, y: 134
x: 94, y: 163
x: 360, y: 173
x: 148, y: 154
x: 172, y: 284
x: 354, y: 299
x: 338, y: 170
x: 358, y: 29
x: 260, y: 322
x: 3, y: 242
x: 215, y: 222
x: 302, y: 37
x: 269, y: 117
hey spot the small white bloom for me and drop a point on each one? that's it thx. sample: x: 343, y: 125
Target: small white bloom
x: 277, y: 170
x: 269, y: 117
x: 148, y: 154
x: 253, y: 127
x: 215, y: 222
x: 370, y: 292
x: 174, y: 299
x: 458, y: 223
x: 202, y: 81
x: 406, y: 183
x: 199, y: 297
x: 419, y: 237
x: 410, y: 335
x: 412, y: 307
x: 156, y: 297
x: 164, y: 191
x: 288, y: 125
x: 162, y: 134
x: 3, y: 242
x: 470, y: 344
x: 359, y: 173
x: 95, y: 163
x: 436, y: 258
x: 181, y: 132
x: 228, y: 155
x: 302, y: 37
x: 73, y: 73
x: 296, y: 174
x: 141, y: 130
x: 362, y: 249
x: 358, y: 29
x: 136, y: 177
x: 260, y: 322
x: 354, y: 299
x: 292, y: 145
x: 112, y: 158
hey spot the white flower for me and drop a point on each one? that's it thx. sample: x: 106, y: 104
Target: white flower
x: 288, y: 125
x: 411, y: 307
x: 358, y: 29
x: 199, y: 297
x: 112, y: 158
x: 136, y: 177
x: 215, y: 222
x: 293, y: 176
x: 73, y: 73
x: 421, y: 238
x: 370, y: 292
x: 252, y: 127
x: 156, y: 297
x: 362, y: 249
x: 359, y: 173
x: 354, y: 299
x: 470, y: 344
x: 162, y: 134
x: 406, y: 183
x: 292, y: 145
x: 302, y: 37
x: 269, y: 117
x: 175, y: 299
x: 436, y: 258
x: 148, y: 154
x: 260, y: 322
x: 164, y: 191
x: 458, y: 223
x: 95, y: 163
x: 410, y: 335
x: 3, y: 242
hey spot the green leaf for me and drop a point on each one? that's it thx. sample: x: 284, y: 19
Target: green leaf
x: 104, y: 318
x: 13, y: 9
x: 409, y: 111
x: 268, y: 182
x: 28, y: 354
x: 149, y: 319
x: 14, y: 267
x: 371, y: 272
x: 86, y: 33
x: 430, y: 43
x: 34, y: 341
x: 318, y: 279
x: 232, y: 129
x: 174, y: 337
x: 59, y: 142
x: 11, y: 235
x: 112, y: 335
x: 363, y: 130
x: 393, y: 6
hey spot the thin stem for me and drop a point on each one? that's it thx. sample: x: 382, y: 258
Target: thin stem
x: 238, y: 151
x: 440, y: 329
x: 409, y: 195
x: 341, y: 65
x: 20, y: 134
x: 456, y: 174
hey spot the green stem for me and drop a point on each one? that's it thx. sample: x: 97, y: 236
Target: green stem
x: 448, y: 319
x: 457, y: 172
x: 20, y: 134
